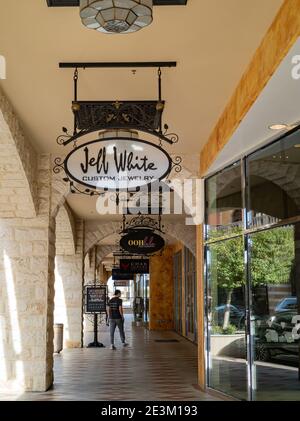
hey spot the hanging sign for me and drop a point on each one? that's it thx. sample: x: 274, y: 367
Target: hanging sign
x: 134, y: 265
x: 142, y: 241
x: 117, y: 163
x: 118, y: 284
x: 117, y: 275
x: 95, y: 299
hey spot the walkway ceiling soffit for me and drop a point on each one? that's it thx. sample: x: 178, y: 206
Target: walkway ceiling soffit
x: 95, y: 232
x: 274, y: 47
x: 103, y: 252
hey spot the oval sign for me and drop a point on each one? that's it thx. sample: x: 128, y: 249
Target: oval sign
x: 142, y: 241
x: 117, y: 163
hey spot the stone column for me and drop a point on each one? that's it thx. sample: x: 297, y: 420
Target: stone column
x: 27, y: 251
x: 89, y: 267
x: 68, y: 292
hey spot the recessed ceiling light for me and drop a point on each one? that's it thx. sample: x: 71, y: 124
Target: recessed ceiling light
x: 278, y: 126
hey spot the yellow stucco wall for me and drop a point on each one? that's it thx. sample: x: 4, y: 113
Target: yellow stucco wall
x: 161, y: 291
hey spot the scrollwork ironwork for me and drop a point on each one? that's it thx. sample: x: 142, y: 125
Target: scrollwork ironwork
x: 74, y: 189
x: 59, y: 165
x: 142, y: 221
x: 176, y: 164
x: 93, y: 116
x: 61, y: 139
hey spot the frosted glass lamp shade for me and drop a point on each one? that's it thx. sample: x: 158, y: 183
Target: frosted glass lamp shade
x: 116, y: 16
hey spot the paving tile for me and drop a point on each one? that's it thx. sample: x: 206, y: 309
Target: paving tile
x: 146, y: 370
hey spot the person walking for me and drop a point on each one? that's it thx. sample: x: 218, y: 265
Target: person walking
x: 116, y: 318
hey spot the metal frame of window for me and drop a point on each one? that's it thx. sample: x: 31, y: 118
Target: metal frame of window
x: 177, y: 265
x: 187, y: 272
x: 245, y: 233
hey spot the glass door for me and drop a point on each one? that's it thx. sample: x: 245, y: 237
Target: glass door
x: 190, y: 295
x: 275, y: 313
x: 226, y: 283
x: 177, y: 271
x: 226, y: 314
x: 252, y: 247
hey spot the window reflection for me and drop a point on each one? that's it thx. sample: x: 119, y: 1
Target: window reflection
x: 226, y: 316
x: 224, y: 203
x: 268, y: 269
x: 274, y: 267
x: 274, y: 182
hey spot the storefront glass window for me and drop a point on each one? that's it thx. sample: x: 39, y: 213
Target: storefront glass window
x: 253, y: 275
x: 224, y: 203
x: 275, y: 269
x: 274, y: 182
x: 177, y: 266
x: 190, y: 294
x: 226, y: 317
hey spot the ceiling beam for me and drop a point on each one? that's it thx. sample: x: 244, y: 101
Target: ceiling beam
x: 75, y: 3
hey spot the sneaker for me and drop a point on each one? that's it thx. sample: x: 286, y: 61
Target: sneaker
x: 112, y: 347
x: 125, y: 344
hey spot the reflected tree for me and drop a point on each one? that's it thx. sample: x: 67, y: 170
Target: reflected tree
x: 230, y: 269
x: 272, y: 262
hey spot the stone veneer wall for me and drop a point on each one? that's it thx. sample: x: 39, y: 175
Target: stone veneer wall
x: 68, y: 292
x: 27, y: 251
x: 66, y: 232
x: 161, y: 291
x: 18, y: 167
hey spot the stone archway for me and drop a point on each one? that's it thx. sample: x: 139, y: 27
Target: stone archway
x: 18, y: 167
x: 96, y: 232
x: 65, y: 232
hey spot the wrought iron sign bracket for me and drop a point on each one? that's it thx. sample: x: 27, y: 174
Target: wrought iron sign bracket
x: 91, y: 164
x: 120, y: 64
x: 92, y: 116
x: 142, y: 221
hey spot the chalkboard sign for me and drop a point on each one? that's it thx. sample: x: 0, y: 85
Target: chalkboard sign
x: 95, y: 299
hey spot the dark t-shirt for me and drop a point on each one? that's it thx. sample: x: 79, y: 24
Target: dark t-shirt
x: 114, y: 304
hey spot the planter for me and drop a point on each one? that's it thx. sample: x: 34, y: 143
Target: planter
x: 58, y: 337
x: 228, y: 345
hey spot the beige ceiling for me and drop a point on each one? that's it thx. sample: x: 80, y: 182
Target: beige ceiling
x: 212, y: 40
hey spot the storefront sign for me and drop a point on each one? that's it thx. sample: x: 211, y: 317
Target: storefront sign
x: 95, y: 299
x: 119, y: 284
x: 134, y: 265
x: 142, y: 241
x: 121, y: 163
x: 117, y: 275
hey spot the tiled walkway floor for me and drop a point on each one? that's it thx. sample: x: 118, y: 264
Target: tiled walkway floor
x: 145, y: 370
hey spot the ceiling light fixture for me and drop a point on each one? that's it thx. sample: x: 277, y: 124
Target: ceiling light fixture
x: 280, y: 126
x: 116, y: 16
